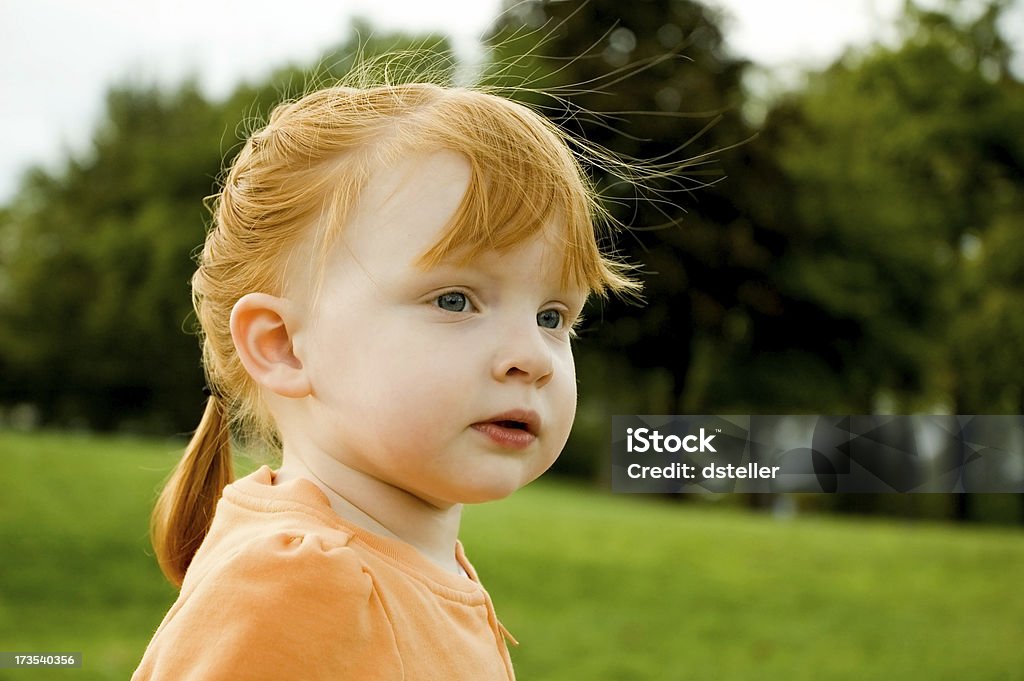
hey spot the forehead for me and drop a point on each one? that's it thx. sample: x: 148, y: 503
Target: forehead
x: 407, y: 208
x: 404, y: 208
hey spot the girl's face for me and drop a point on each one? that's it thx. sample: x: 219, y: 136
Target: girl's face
x: 456, y: 383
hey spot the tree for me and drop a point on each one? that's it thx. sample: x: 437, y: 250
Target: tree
x: 906, y: 164
x: 98, y: 265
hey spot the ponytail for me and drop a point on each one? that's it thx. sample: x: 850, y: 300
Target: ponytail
x: 182, y: 515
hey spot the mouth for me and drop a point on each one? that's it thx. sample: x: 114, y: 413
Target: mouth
x: 514, y: 429
x: 517, y: 419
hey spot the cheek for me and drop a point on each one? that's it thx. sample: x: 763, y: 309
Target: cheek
x: 417, y: 386
x: 565, y: 393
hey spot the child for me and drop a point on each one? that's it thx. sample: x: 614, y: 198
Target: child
x: 387, y: 293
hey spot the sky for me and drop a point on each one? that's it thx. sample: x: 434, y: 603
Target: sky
x: 60, y: 56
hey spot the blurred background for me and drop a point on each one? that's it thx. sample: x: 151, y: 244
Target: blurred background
x: 846, y: 240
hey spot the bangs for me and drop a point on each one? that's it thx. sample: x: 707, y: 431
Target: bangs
x: 524, y: 181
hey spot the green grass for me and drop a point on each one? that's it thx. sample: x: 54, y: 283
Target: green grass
x: 596, y: 587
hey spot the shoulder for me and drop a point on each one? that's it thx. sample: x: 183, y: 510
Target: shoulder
x: 265, y: 534
x: 286, y: 556
x: 283, y: 605
x: 283, y: 579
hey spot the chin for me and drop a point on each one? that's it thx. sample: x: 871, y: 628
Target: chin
x: 487, y: 490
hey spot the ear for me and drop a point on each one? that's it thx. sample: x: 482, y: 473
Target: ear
x: 261, y: 328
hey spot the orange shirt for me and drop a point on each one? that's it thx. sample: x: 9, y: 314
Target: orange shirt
x: 283, y: 588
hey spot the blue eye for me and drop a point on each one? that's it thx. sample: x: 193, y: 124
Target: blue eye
x: 453, y: 301
x: 549, y: 319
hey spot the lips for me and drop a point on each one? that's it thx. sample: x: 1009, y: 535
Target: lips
x: 516, y: 429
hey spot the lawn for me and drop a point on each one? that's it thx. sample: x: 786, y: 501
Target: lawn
x: 596, y: 587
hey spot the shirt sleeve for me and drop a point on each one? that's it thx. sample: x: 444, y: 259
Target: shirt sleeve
x: 284, y: 607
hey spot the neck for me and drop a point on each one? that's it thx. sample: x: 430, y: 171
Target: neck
x: 379, y: 507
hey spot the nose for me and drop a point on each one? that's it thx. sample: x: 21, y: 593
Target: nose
x: 523, y: 354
